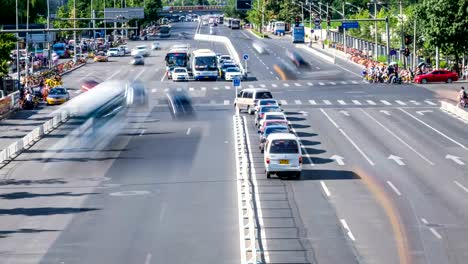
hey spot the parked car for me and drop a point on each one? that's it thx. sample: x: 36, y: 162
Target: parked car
x: 282, y: 155
x: 155, y: 46
x: 437, y: 76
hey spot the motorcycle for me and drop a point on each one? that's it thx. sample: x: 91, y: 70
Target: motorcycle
x: 464, y: 102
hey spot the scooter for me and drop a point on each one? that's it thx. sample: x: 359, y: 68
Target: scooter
x: 464, y: 103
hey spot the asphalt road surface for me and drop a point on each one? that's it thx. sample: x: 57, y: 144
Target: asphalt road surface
x: 384, y: 178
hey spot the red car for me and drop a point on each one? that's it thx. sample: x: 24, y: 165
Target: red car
x: 437, y: 76
x: 88, y: 85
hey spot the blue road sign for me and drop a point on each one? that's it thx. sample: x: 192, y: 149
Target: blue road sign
x: 236, y: 82
x: 246, y: 56
x: 350, y: 24
x: 393, y: 52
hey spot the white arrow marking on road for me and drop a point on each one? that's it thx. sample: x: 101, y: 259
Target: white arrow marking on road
x: 423, y: 111
x: 397, y: 159
x: 338, y: 159
x: 385, y: 112
x: 454, y: 159
x: 344, y: 112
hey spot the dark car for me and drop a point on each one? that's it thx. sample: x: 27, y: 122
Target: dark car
x: 180, y: 105
x: 437, y: 76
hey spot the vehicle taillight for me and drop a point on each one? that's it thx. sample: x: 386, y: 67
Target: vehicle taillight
x: 261, y: 115
x: 268, y: 160
x: 300, y: 159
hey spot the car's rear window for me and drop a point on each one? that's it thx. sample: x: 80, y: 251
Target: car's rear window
x: 267, y: 102
x: 287, y: 146
x: 263, y: 95
x: 270, y: 117
x: 269, y: 109
x: 268, y: 131
x: 179, y: 70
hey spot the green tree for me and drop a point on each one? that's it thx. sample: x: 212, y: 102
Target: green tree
x: 7, y: 44
x: 444, y: 25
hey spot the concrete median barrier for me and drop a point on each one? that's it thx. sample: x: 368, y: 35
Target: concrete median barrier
x: 455, y: 110
x: 316, y: 53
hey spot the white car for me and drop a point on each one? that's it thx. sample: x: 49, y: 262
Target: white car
x: 222, y: 58
x: 272, y: 116
x: 155, y: 46
x: 140, y: 50
x: 232, y: 73
x: 282, y: 155
x: 115, y: 52
x: 180, y: 74
x: 124, y: 48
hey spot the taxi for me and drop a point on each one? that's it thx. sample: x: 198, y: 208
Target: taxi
x: 57, y: 95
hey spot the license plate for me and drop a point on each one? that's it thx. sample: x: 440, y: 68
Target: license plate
x: 284, y: 161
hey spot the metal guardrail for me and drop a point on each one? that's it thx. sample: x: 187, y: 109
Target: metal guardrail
x: 14, y: 149
x: 454, y: 109
x: 250, y: 253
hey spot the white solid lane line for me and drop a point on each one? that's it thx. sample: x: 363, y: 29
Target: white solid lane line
x: 114, y: 74
x: 164, y: 76
x: 433, y: 231
x: 461, y: 186
x: 188, y: 131
x: 346, y: 227
x: 394, y: 188
x: 226, y: 102
x: 434, y: 129
x: 325, y: 188
x: 397, y: 137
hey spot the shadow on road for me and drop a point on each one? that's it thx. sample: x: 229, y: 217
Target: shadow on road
x: 32, y: 182
x: 45, y: 211
x: 305, y: 134
x: 5, y: 233
x: 25, y: 195
x: 317, y: 175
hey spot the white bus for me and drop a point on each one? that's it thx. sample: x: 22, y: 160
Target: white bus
x: 204, y: 64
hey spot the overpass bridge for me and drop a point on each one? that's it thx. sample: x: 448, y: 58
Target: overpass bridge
x: 197, y: 9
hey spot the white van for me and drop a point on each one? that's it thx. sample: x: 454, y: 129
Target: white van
x: 283, y: 155
x: 247, y: 98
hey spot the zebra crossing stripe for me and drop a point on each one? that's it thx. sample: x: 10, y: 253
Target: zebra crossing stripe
x: 298, y: 102
x: 343, y: 82
x: 370, y: 102
x: 274, y: 85
x: 312, y: 102
x: 251, y: 86
x: 262, y: 85
x: 327, y: 102
x: 227, y: 87
x: 285, y: 85
x: 341, y: 102
x: 333, y: 83
x: 354, y: 82
x: 283, y: 102
x: 415, y: 102
x: 297, y: 84
x: 203, y: 88
x: 310, y: 84
x: 226, y: 102
x: 153, y: 90
x: 179, y: 89
x: 356, y: 102
x: 321, y: 83
x: 400, y: 102
x: 191, y: 89
x: 385, y: 102
x: 429, y: 102
x: 215, y: 88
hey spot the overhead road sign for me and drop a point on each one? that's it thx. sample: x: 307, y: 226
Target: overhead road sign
x: 350, y: 24
x: 123, y: 14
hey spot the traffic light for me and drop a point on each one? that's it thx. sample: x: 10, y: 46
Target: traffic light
x: 296, y: 21
x: 328, y: 21
x: 408, y: 39
x: 406, y: 52
x: 244, y: 4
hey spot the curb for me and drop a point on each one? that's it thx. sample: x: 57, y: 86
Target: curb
x: 75, y: 68
x: 16, y: 148
x: 455, y: 110
x: 253, y: 34
x: 317, y: 53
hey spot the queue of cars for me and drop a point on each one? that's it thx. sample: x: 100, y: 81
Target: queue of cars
x: 280, y: 146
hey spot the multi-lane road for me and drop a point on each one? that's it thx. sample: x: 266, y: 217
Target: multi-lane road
x: 385, y: 176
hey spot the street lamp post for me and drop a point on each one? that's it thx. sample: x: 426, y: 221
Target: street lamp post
x: 344, y: 30
x: 74, y: 32
x: 18, y: 68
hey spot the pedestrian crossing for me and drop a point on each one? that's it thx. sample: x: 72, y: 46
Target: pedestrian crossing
x: 333, y: 103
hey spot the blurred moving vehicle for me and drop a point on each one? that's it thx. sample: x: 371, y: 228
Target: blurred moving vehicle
x: 140, y: 50
x: 259, y: 47
x: 155, y: 46
x: 125, y: 49
x: 180, y: 74
x: 285, y: 71
x: 101, y: 57
x: 436, y: 76
x: 57, y: 95
x: 282, y: 155
x: 297, y: 59
x: 138, y: 60
x: 270, y: 130
x: 180, y: 105
x: 88, y: 84
x: 232, y: 73
x: 115, y: 52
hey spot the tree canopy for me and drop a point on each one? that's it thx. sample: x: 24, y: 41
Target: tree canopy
x: 7, y: 44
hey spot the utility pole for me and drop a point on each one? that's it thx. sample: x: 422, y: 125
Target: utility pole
x: 48, y: 33
x: 302, y: 9
x: 344, y: 30
x: 387, y: 29
x: 26, y: 60
x: 327, y: 22
x: 375, y: 25
x: 74, y: 32
x: 414, y: 45
x: 18, y: 68
x: 321, y: 32
x: 402, y: 35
